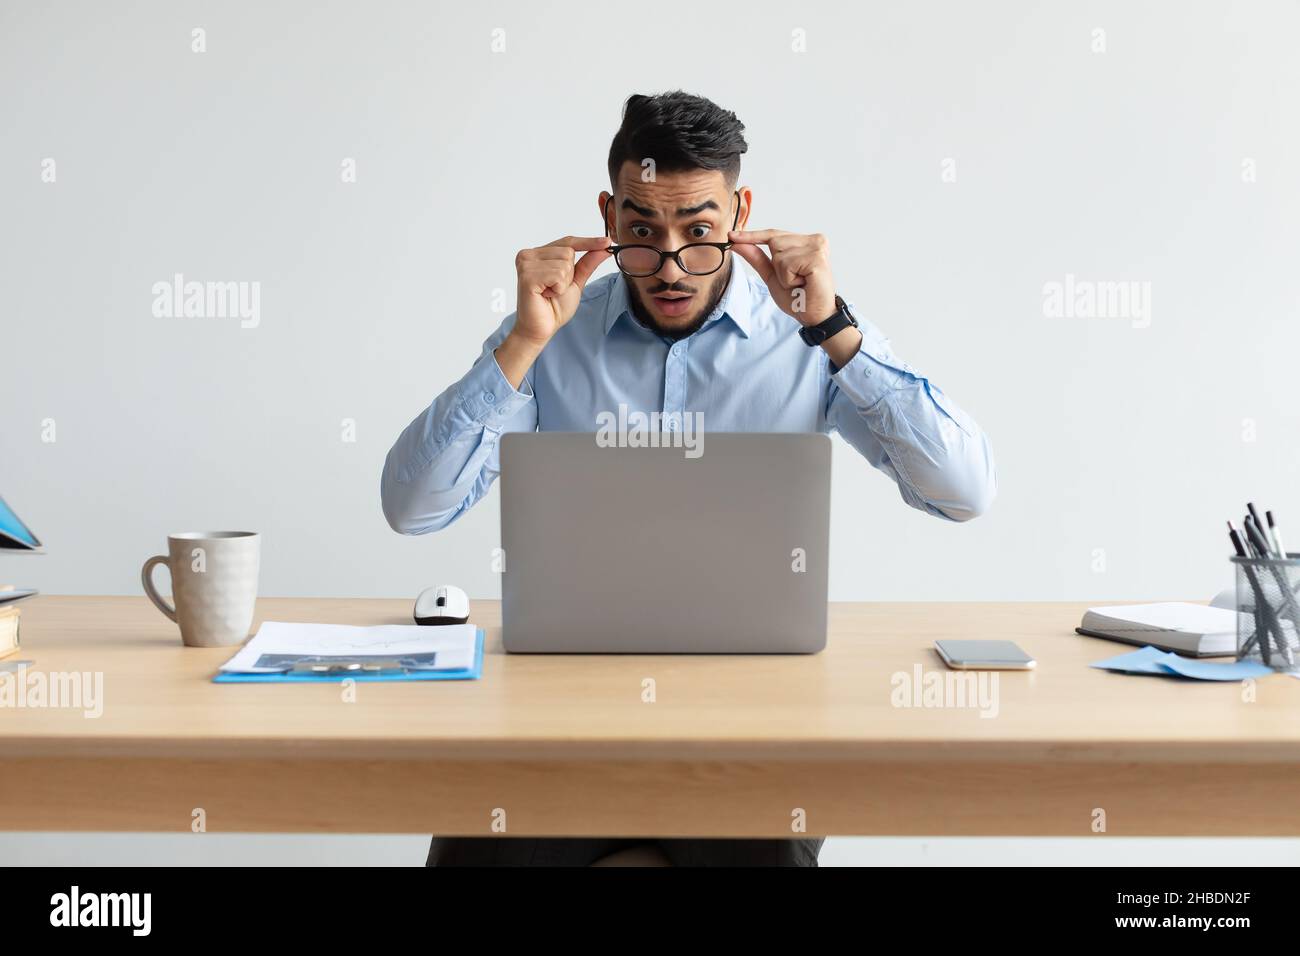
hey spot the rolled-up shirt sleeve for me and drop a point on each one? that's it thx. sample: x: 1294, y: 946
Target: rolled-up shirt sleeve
x: 447, y: 458
x: 907, y: 427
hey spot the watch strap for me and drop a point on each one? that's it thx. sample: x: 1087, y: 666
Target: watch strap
x: 838, y: 322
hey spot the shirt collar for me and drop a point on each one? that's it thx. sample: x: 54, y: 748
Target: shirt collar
x: 734, y: 305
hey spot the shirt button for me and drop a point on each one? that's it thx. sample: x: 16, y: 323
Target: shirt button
x: 672, y: 424
x: 677, y: 350
x: 489, y: 397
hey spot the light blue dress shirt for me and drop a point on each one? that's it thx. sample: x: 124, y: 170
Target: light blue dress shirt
x: 745, y: 370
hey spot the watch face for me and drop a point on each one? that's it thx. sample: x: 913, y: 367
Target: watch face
x: 813, y: 336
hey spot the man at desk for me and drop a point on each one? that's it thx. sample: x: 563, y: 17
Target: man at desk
x: 681, y: 327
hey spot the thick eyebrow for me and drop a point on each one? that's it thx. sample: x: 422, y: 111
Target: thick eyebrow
x: 651, y: 214
x: 639, y: 210
x: 694, y: 210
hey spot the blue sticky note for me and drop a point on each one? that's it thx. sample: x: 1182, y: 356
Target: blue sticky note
x: 1209, y: 670
x: 1143, y: 661
x: 1152, y: 660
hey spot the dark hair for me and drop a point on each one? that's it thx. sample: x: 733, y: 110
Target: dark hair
x: 678, y: 131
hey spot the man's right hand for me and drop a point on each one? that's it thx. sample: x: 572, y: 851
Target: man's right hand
x: 551, y: 280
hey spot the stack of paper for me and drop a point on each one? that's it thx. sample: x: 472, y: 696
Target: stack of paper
x: 279, y: 651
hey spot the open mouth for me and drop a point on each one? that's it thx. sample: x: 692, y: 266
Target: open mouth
x: 674, y: 303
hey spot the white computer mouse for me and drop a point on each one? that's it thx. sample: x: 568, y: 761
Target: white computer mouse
x: 442, y: 604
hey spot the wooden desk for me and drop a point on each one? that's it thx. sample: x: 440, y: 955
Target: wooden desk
x: 567, y: 745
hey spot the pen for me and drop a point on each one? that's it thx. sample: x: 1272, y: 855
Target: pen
x: 1257, y: 539
x: 1256, y: 536
x: 1282, y: 575
x: 1237, y: 544
x: 1250, y: 506
x: 1276, y: 532
x: 1260, y: 636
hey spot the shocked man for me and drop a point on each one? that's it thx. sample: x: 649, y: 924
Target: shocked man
x: 681, y: 328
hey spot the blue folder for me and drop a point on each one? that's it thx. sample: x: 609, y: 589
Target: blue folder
x: 464, y: 673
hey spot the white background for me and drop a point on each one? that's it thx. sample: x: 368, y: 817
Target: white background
x: 1120, y: 450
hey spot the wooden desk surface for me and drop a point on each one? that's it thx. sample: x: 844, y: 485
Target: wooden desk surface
x: 573, y: 742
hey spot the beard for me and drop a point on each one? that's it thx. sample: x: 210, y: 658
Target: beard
x: 713, y: 295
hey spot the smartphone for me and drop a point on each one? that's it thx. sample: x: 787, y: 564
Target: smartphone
x: 984, y: 656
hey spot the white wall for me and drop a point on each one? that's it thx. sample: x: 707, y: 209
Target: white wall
x: 1123, y: 165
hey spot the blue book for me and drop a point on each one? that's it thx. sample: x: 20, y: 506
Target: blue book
x: 14, y: 535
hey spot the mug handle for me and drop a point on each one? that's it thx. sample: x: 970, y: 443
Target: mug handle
x: 146, y: 578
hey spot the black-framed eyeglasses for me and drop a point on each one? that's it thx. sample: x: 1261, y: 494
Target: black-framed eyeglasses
x: 694, y: 258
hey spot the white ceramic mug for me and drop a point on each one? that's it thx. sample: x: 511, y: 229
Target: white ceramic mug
x: 214, y: 585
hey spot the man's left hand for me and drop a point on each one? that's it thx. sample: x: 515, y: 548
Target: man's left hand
x: 798, y: 273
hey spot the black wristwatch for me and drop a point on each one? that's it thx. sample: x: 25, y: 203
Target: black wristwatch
x: 841, y: 320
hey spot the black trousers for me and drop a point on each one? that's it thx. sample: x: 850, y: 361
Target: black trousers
x: 565, y: 851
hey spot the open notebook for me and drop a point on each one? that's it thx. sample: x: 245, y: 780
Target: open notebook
x: 1195, y: 630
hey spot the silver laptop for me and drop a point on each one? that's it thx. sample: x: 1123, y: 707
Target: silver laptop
x: 616, y: 550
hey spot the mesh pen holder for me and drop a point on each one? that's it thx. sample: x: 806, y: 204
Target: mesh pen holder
x: 1268, y: 611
